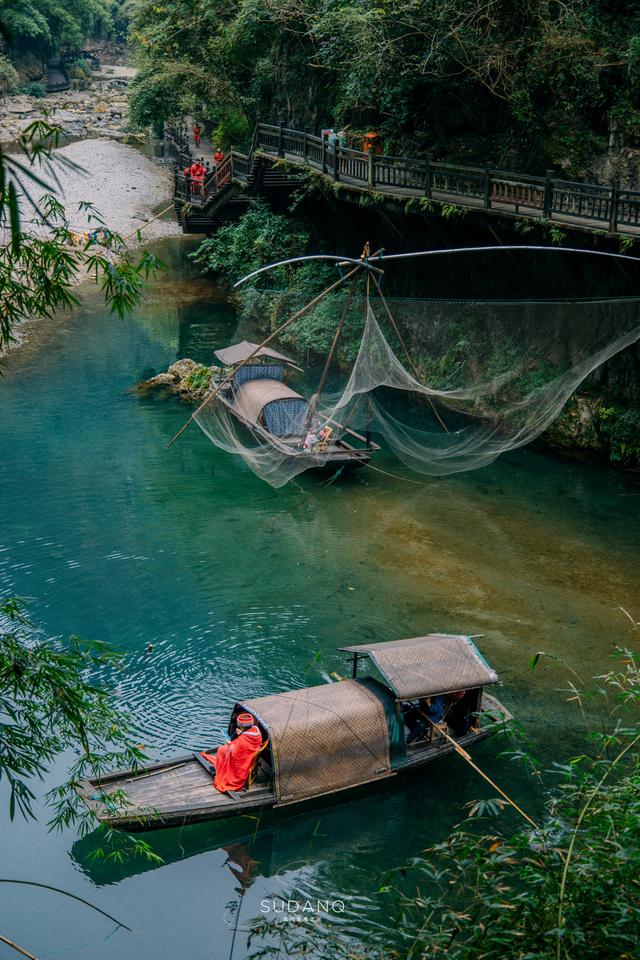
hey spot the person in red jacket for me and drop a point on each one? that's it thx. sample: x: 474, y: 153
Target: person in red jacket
x: 218, y: 155
x: 234, y: 760
x: 197, y: 172
x: 197, y: 130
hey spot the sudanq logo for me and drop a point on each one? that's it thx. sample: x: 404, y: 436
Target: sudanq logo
x: 284, y: 904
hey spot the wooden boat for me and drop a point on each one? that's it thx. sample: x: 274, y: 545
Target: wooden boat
x: 256, y: 395
x: 321, y: 740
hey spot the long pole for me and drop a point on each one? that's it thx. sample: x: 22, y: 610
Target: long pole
x: 466, y: 756
x: 272, y: 336
x: 14, y: 946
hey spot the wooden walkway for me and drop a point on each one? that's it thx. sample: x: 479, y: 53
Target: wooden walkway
x: 551, y: 199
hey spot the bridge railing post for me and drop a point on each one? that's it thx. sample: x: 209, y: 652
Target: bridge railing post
x: 371, y: 169
x: 336, y: 159
x: 547, y: 199
x: 280, y: 139
x: 488, y: 167
x: 427, y: 176
x: 304, y: 143
x: 324, y: 155
x: 613, y: 206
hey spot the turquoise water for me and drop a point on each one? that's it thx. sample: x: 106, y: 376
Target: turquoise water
x: 244, y: 590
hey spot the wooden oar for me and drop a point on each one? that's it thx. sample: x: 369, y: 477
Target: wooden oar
x: 467, y: 757
x: 272, y: 336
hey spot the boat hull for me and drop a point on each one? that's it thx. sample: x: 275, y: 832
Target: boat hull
x: 180, y: 791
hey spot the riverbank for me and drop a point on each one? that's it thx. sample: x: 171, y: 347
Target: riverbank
x: 98, y: 106
x: 126, y: 188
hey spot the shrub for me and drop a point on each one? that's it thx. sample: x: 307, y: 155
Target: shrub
x: 34, y: 89
x: 621, y: 426
x: 9, y: 78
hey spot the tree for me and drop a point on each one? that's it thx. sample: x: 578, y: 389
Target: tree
x: 46, y: 26
x: 536, y: 83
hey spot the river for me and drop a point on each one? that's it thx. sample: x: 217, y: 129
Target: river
x: 245, y: 590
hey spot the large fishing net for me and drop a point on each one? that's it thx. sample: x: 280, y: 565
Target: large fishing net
x: 446, y: 386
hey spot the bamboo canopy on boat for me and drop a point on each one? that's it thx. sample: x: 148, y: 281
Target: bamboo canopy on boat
x: 346, y: 722
x: 245, y: 350
x: 427, y: 666
x: 252, y: 397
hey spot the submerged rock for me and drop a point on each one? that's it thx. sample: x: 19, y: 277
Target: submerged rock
x: 185, y: 378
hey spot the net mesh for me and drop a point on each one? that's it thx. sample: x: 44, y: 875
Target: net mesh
x: 446, y: 386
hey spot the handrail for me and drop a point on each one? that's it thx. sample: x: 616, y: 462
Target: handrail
x: 548, y: 197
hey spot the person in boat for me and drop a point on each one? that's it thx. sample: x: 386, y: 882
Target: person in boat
x: 417, y: 716
x: 234, y: 760
x: 311, y: 439
x: 461, y: 715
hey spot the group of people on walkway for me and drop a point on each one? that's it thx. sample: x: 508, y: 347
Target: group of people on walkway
x: 196, y: 173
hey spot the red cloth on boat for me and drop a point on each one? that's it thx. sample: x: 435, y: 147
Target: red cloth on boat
x: 233, y: 760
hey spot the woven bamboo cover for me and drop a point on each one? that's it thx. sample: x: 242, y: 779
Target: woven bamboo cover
x: 238, y: 352
x: 324, y: 738
x: 426, y: 666
x: 254, y: 395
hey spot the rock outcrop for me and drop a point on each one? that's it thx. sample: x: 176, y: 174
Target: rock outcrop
x: 186, y: 379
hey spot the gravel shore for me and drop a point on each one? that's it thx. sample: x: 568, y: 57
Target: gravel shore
x: 126, y: 188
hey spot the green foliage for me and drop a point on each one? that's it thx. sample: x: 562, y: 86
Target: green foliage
x: 450, y: 210
x: 621, y: 427
x: 38, y: 269
x: 34, y: 89
x: 262, y: 237
x: 51, y: 703
x: 9, y: 78
x: 198, y: 380
x: 565, y: 889
x: 44, y: 26
x: 232, y: 130
x: 259, y: 237
x: 79, y: 69
x: 538, y: 84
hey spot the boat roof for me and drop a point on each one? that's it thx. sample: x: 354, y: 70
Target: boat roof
x: 324, y: 738
x: 426, y: 666
x: 238, y: 352
x: 254, y: 395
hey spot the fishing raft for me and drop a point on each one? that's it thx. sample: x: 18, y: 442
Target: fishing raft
x: 256, y: 395
x: 323, y: 740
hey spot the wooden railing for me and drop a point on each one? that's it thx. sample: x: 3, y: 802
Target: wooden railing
x: 546, y: 198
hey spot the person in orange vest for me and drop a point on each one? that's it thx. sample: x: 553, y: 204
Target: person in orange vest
x: 218, y: 156
x: 234, y: 760
x: 197, y: 172
x: 197, y: 130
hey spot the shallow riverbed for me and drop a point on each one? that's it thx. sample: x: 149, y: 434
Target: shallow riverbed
x: 247, y: 590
